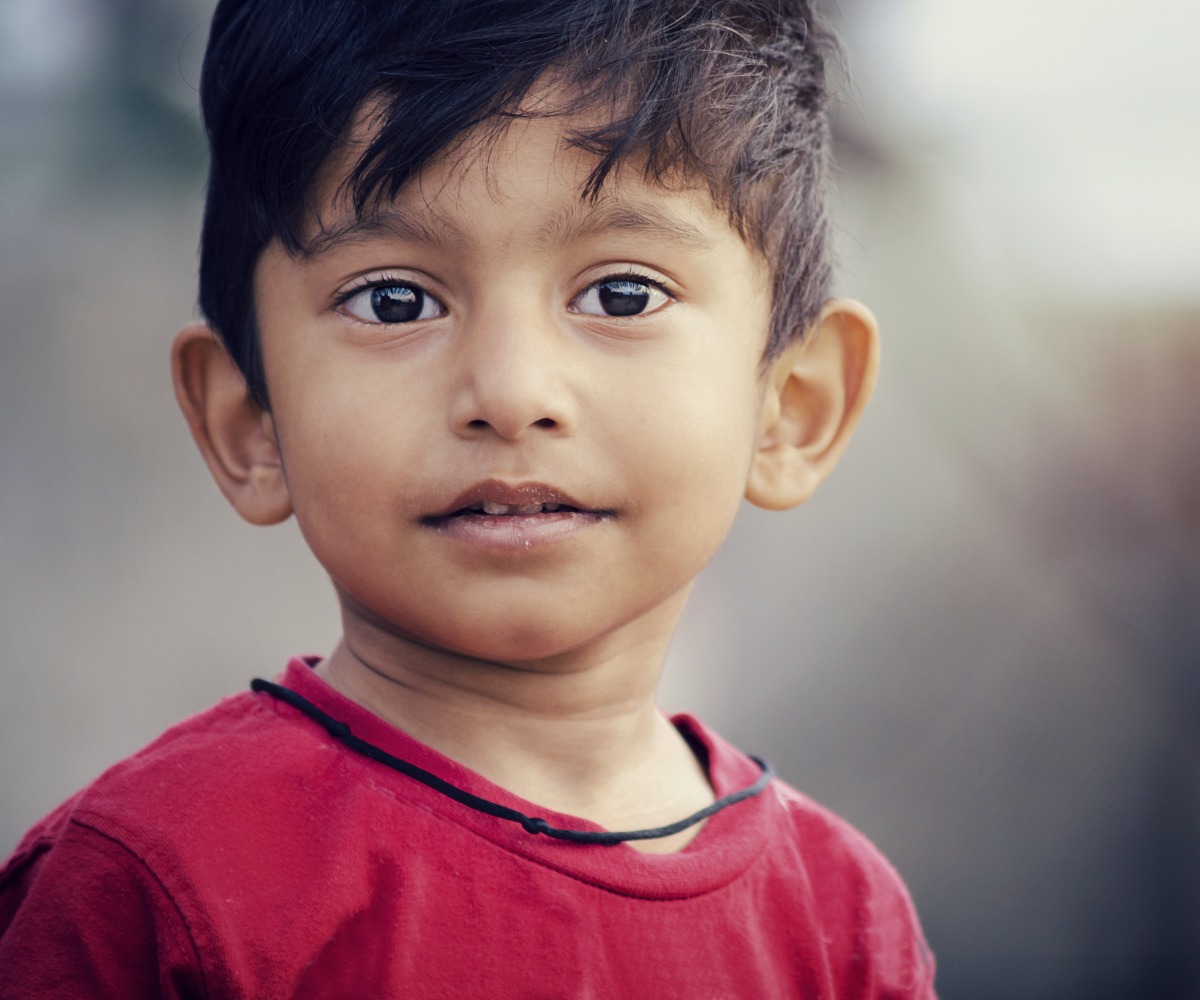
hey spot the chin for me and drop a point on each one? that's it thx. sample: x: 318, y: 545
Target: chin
x: 535, y: 647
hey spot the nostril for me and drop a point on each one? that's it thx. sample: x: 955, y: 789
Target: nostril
x: 480, y: 424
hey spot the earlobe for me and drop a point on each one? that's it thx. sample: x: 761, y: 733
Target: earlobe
x: 234, y: 434
x: 816, y: 393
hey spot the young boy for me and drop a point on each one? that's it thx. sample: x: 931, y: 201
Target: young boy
x: 510, y: 304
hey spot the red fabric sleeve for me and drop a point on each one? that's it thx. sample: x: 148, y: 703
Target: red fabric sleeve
x: 86, y: 919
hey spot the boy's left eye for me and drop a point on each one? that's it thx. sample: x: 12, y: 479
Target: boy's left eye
x: 624, y: 296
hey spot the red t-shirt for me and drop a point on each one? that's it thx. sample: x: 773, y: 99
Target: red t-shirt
x: 247, y: 853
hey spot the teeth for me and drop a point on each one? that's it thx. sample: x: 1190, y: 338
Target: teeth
x: 489, y: 507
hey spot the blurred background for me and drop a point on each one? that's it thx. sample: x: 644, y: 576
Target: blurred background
x: 980, y: 642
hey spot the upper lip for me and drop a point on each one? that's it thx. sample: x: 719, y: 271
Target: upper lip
x: 511, y: 495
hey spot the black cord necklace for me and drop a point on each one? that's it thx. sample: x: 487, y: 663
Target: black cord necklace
x: 531, y: 824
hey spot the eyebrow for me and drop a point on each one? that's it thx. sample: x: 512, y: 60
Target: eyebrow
x: 572, y: 225
x: 396, y: 223
x: 579, y: 222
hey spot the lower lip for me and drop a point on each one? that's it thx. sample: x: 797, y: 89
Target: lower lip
x: 517, y: 531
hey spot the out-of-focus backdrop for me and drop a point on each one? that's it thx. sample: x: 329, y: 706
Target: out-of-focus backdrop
x: 981, y: 642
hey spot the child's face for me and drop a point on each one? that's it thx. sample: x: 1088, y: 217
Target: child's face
x: 492, y: 338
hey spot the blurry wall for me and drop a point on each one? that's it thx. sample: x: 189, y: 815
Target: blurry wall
x: 980, y: 642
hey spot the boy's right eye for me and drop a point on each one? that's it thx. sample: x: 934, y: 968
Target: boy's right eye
x: 391, y: 302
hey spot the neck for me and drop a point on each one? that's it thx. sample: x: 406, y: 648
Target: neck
x: 578, y: 732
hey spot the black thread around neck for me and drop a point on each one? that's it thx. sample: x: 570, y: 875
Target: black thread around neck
x: 531, y: 824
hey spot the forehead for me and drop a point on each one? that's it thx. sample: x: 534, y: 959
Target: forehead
x: 525, y: 167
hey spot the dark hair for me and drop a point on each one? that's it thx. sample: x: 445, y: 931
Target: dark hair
x: 729, y: 92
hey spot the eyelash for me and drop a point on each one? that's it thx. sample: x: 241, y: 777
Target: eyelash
x: 632, y: 275
x: 378, y: 281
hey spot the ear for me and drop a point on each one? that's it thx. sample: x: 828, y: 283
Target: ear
x: 235, y: 435
x: 816, y: 391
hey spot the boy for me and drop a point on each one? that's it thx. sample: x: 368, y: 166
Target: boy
x: 510, y: 304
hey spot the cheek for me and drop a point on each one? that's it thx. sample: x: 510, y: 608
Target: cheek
x: 693, y: 440
x: 343, y: 447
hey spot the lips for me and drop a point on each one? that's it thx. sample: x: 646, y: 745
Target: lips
x: 493, y: 498
x: 507, y: 521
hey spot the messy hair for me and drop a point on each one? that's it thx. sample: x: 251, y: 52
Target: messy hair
x: 727, y: 93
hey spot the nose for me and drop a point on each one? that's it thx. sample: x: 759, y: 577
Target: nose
x: 515, y: 378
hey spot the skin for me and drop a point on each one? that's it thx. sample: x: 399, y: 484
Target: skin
x: 527, y: 648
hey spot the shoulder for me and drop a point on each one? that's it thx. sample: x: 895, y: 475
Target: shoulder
x: 235, y: 773
x: 830, y: 851
x: 858, y: 898
x: 113, y: 849
x: 847, y: 853
x: 840, y: 855
x: 217, y: 791
x: 818, y: 879
x: 204, y: 827
x: 213, y: 766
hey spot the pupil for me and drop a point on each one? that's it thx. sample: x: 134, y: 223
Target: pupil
x: 396, y: 303
x: 624, y: 298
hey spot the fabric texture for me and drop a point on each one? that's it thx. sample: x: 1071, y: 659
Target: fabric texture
x: 247, y: 854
